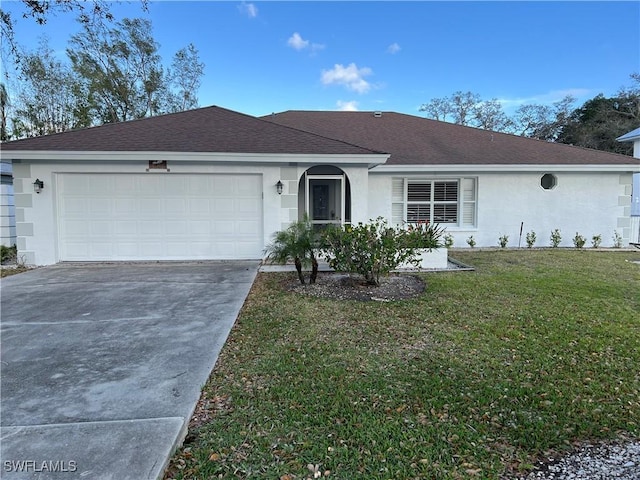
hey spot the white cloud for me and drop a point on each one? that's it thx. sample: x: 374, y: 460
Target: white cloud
x: 351, y: 106
x: 296, y: 42
x: 351, y: 77
x: 545, y: 98
x: 248, y: 9
x: 393, y: 48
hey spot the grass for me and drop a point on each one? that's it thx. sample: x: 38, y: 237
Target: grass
x: 477, y: 378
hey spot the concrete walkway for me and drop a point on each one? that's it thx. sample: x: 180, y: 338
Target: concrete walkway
x: 102, y: 364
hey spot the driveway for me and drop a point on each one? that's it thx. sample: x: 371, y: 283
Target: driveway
x: 102, y: 364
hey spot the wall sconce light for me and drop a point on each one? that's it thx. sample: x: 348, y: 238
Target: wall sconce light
x: 279, y: 186
x: 38, y: 185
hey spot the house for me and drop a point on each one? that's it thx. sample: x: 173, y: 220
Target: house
x: 211, y: 183
x: 634, y: 136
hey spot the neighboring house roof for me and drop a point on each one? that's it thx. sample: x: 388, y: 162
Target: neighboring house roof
x: 415, y: 140
x: 631, y: 136
x: 210, y: 129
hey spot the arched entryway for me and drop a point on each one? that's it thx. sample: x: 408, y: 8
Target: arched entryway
x: 324, y: 194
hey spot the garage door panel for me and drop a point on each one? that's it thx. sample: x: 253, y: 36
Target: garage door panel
x: 155, y: 217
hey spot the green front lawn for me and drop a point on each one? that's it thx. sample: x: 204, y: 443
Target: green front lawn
x: 477, y: 378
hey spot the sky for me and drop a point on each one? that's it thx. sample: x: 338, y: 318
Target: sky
x: 264, y: 57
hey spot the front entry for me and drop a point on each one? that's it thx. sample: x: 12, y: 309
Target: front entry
x: 327, y: 196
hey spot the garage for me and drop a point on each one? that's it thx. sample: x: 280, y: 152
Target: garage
x: 158, y: 216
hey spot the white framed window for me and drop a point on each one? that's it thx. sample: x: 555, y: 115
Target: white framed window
x: 450, y: 201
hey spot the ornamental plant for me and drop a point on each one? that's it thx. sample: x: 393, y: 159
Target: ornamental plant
x: 448, y: 240
x: 299, y: 243
x: 555, y: 238
x: 617, y: 240
x: 371, y: 250
x: 531, y: 239
x: 503, y: 241
x: 424, y: 235
x: 596, y: 240
x: 471, y: 241
x: 579, y: 241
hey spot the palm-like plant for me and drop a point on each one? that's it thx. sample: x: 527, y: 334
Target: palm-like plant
x: 297, y: 243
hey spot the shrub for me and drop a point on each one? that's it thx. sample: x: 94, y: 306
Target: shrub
x: 503, y: 241
x: 617, y: 240
x: 596, y: 240
x: 448, y: 240
x: 370, y: 250
x: 298, y: 243
x: 7, y: 253
x: 424, y: 235
x: 531, y: 239
x: 471, y: 241
x: 555, y: 238
x: 579, y: 241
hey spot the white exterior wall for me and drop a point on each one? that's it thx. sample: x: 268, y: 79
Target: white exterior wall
x: 590, y: 203
x: 36, y: 214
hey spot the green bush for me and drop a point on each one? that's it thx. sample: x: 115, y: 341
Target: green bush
x: 579, y: 241
x: 531, y: 239
x: 371, y: 250
x: 471, y: 241
x: 7, y: 253
x: 448, y: 240
x: 503, y: 241
x: 596, y: 240
x: 555, y: 238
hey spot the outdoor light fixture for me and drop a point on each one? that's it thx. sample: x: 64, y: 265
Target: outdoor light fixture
x: 38, y: 185
x: 279, y: 186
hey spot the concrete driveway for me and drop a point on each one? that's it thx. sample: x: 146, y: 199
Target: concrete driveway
x: 102, y: 364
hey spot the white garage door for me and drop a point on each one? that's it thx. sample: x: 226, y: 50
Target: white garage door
x: 159, y: 217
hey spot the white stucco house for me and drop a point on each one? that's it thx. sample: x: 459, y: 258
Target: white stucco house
x: 211, y: 183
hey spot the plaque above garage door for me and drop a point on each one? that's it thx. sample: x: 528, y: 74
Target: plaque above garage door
x: 115, y: 217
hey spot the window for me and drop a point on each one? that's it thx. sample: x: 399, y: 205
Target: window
x: 548, y: 181
x: 448, y: 202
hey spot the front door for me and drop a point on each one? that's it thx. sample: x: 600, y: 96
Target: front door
x: 325, y: 194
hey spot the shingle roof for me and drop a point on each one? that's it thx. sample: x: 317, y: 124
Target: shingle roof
x: 415, y: 140
x: 210, y: 129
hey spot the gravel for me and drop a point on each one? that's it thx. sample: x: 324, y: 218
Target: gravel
x: 603, y: 461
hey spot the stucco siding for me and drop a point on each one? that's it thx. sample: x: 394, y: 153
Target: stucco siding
x: 589, y: 203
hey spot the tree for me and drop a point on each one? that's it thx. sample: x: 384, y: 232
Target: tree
x: 530, y: 119
x: 93, y: 13
x: 4, y: 105
x: 184, y: 75
x: 51, y: 99
x: 489, y: 115
x: 121, y: 67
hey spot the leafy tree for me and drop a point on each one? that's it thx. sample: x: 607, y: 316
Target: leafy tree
x: 184, y: 75
x: 4, y: 105
x: 94, y: 13
x: 299, y: 243
x: 601, y: 120
x: 121, y: 67
x: 51, y: 99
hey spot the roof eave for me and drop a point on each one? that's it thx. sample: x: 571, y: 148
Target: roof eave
x: 490, y: 168
x: 369, y: 159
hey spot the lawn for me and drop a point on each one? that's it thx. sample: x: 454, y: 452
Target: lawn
x: 477, y: 378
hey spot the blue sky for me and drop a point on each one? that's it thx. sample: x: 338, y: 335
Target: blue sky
x: 263, y: 57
